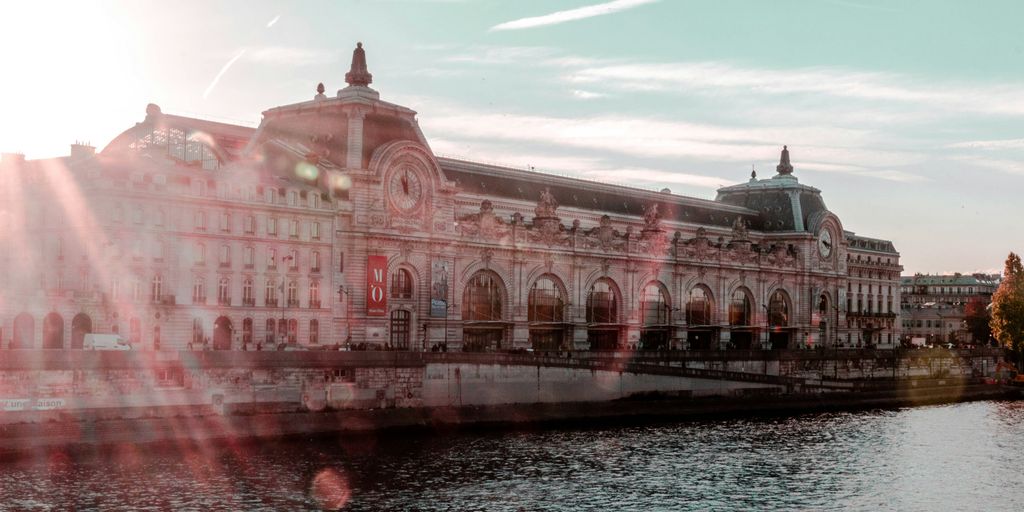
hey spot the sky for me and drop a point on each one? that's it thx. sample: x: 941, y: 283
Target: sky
x: 908, y: 115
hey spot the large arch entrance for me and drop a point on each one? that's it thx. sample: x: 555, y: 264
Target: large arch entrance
x: 482, y: 313
x: 222, y: 333
x: 656, y: 311
x: 546, y: 314
x: 53, y: 331
x: 778, y: 319
x: 81, y: 325
x: 24, y: 331
x: 603, y: 329
x: 741, y: 320
x: 700, y: 329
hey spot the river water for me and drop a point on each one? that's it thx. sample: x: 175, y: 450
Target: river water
x: 967, y: 456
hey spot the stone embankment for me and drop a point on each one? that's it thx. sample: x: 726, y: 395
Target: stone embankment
x: 52, y: 398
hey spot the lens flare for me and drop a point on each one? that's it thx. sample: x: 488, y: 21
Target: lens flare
x: 306, y: 170
x: 330, y: 489
x: 341, y: 182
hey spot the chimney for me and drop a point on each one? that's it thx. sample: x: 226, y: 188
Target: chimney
x: 81, y: 150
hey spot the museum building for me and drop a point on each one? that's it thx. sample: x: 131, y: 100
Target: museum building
x: 333, y: 223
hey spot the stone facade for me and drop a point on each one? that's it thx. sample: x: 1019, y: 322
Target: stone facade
x: 419, y: 252
x: 933, y: 306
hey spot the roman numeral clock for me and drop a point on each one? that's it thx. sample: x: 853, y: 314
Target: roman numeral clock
x: 405, y: 190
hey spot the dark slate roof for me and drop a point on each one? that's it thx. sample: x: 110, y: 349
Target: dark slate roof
x: 523, y: 185
x: 869, y: 244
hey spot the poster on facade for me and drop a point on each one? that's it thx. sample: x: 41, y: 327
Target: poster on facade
x: 438, y: 288
x: 376, y: 296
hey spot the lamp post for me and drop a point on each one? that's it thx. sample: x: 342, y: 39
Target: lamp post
x: 284, y: 260
x: 348, y: 313
x: 767, y: 328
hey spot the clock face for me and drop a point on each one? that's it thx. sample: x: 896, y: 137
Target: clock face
x: 405, y: 189
x: 825, y: 243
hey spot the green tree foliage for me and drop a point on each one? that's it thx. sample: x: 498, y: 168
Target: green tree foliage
x: 976, y: 320
x: 1008, y: 306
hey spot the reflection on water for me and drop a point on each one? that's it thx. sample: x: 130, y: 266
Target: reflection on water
x: 961, y: 456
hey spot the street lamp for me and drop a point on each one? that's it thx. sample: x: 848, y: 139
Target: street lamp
x: 348, y: 313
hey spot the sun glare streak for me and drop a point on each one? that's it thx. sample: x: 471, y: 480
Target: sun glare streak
x: 223, y: 70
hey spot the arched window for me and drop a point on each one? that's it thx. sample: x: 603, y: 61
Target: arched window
x: 53, y: 331
x: 400, y: 329
x: 157, y: 288
x: 778, y: 309
x: 270, y: 331
x: 293, y: 294
x: 199, y: 291
x: 401, y: 284
x: 224, y: 292
x: 197, y: 332
x: 698, y: 307
x: 546, y: 303
x: 246, y: 331
x: 823, y: 317
x: 654, y: 305
x: 602, y: 304
x: 482, y: 299
x: 24, y: 331
x: 740, y: 309
x: 314, y: 331
x: 314, y: 294
x: 270, y: 292
x: 314, y: 262
x: 135, y: 331
x: 247, y: 298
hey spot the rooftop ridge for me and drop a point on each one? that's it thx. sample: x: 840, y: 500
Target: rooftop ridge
x: 543, y: 172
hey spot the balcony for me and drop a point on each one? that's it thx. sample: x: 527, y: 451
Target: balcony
x: 198, y: 299
x: 249, y: 302
x: 225, y: 264
x: 315, y: 270
x: 314, y: 304
x: 271, y: 303
x: 223, y: 301
x: 293, y: 303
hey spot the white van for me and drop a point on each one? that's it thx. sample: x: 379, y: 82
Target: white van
x: 105, y: 342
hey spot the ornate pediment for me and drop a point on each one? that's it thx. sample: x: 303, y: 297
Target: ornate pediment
x: 483, y: 224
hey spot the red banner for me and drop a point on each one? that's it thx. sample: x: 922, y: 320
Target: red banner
x: 376, y: 296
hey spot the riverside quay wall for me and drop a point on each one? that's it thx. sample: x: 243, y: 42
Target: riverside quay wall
x: 61, y: 385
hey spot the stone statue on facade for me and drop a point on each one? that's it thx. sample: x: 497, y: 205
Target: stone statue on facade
x: 547, y: 205
x: 358, y: 75
x: 739, y: 229
x: 784, y: 167
x: 652, y: 218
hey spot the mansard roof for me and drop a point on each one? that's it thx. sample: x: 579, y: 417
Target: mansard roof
x: 522, y: 185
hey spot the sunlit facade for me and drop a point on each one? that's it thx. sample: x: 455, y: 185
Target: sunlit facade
x: 333, y: 223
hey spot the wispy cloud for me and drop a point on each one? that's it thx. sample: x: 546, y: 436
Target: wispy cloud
x: 719, y: 78
x: 587, y: 95
x: 998, y: 144
x: 580, y: 13
x: 821, y: 148
x: 224, y: 69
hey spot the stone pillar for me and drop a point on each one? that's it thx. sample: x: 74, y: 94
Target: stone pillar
x: 355, y: 139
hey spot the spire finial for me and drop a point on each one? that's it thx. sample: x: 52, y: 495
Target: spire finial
x: 358, y: 75
x: 753, y: 172
x: 784, y: 166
